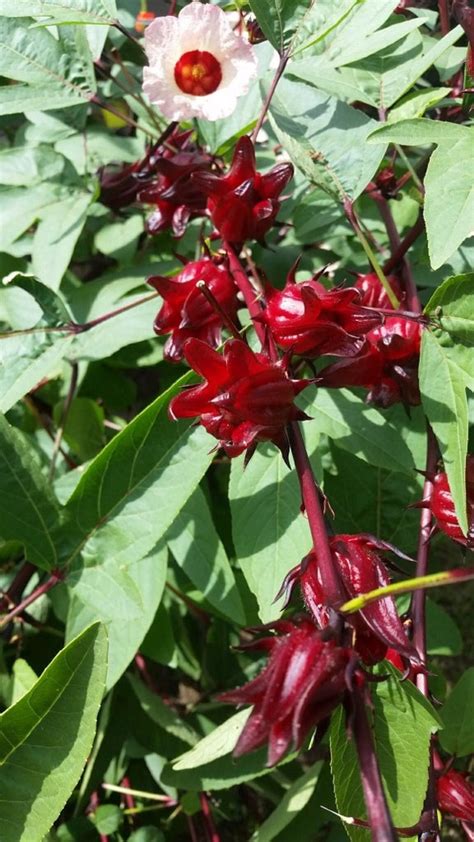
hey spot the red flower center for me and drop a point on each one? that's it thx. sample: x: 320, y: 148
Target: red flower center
x: 198, y: 73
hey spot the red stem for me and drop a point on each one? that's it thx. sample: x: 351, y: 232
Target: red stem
x: 192, y: 829
x: 381, y: 825
x: 128, y: 799
x: 429, y: 818
x: 211, y: 829
x: 227, y: 321
x: 251, y: 295
x: 266, y: 105
x: 413, y: 300
x: 419, y: 597
x: 25, y: 573
x: 443, y: 16
x: 81, y: 328
x: 50, y: 583
x: 405, y: 244
x: 310, y: 494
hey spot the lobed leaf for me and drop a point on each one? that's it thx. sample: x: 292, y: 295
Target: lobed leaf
x: 46, y: 736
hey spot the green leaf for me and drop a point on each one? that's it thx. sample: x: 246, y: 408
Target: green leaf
x: 197, y: 548
x: 443, y: 635
x: 451, y: 305
x: 325, y: 138
x: 380, y: 79
x: 84, y: 427
x: 449, y: 199
x: 457, y: 735
x: 107, y: 818
x: 162, y: 714
x: 421, y: 131
x: 46, y: 736
x: 133, y: 490
x: 270, y: 534
x: 71, y: 11
x: 29, y: 509
x: 292, y: 24
x: 56, y: 236
x: 29, y: 165
x: 220, y: 742
x: 403, y: 724
x: 356, y: 47
x: 23, y: 679
x: 20, y: 208
x: 381, y: 506
x: 445, y: 372
x: 383, y: 438
x: 124, y: 597
x: 57, y: 72
x: 416, y: 103
x: 294, y: 800
x: 25, y: 359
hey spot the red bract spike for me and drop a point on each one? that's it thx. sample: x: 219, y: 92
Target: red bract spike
x: 245, y: 398
x: 300, y: 686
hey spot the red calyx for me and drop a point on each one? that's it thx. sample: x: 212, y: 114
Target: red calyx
x: 244, y: 399
x: 162, y: 178
x: 186, y: 312
x: 301, y: 685
x: 442, y: 506
x: 386, y: 365
x: 313, y: 321
x: 372, y: 292
x: 456, y: 796
x: 243, y: 204
x: 377, y: 626
x: 171, y: 188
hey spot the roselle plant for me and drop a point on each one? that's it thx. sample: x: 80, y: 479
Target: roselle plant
x: 237, y: 463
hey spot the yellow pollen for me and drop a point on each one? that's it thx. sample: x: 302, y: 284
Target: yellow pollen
x: 198, y: 71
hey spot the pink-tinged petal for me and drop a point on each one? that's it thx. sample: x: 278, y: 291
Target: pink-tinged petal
x: 203, y: 28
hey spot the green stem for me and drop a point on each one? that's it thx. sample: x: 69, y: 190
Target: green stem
x: 351, y: 217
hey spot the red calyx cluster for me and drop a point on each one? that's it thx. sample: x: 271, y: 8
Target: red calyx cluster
x: 442, y: 506
x: 301, y: 685
x: 172, y: 190
x: 186, y: 312
x: 386, y: 364
x: 243, y: 204
x: 244, y: 399
x: 311, y: 320
x: 361, y: 569
x: 162, y: 178
x: 456, y: 796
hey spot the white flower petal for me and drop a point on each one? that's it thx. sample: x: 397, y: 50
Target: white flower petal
x: 197, y: 27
